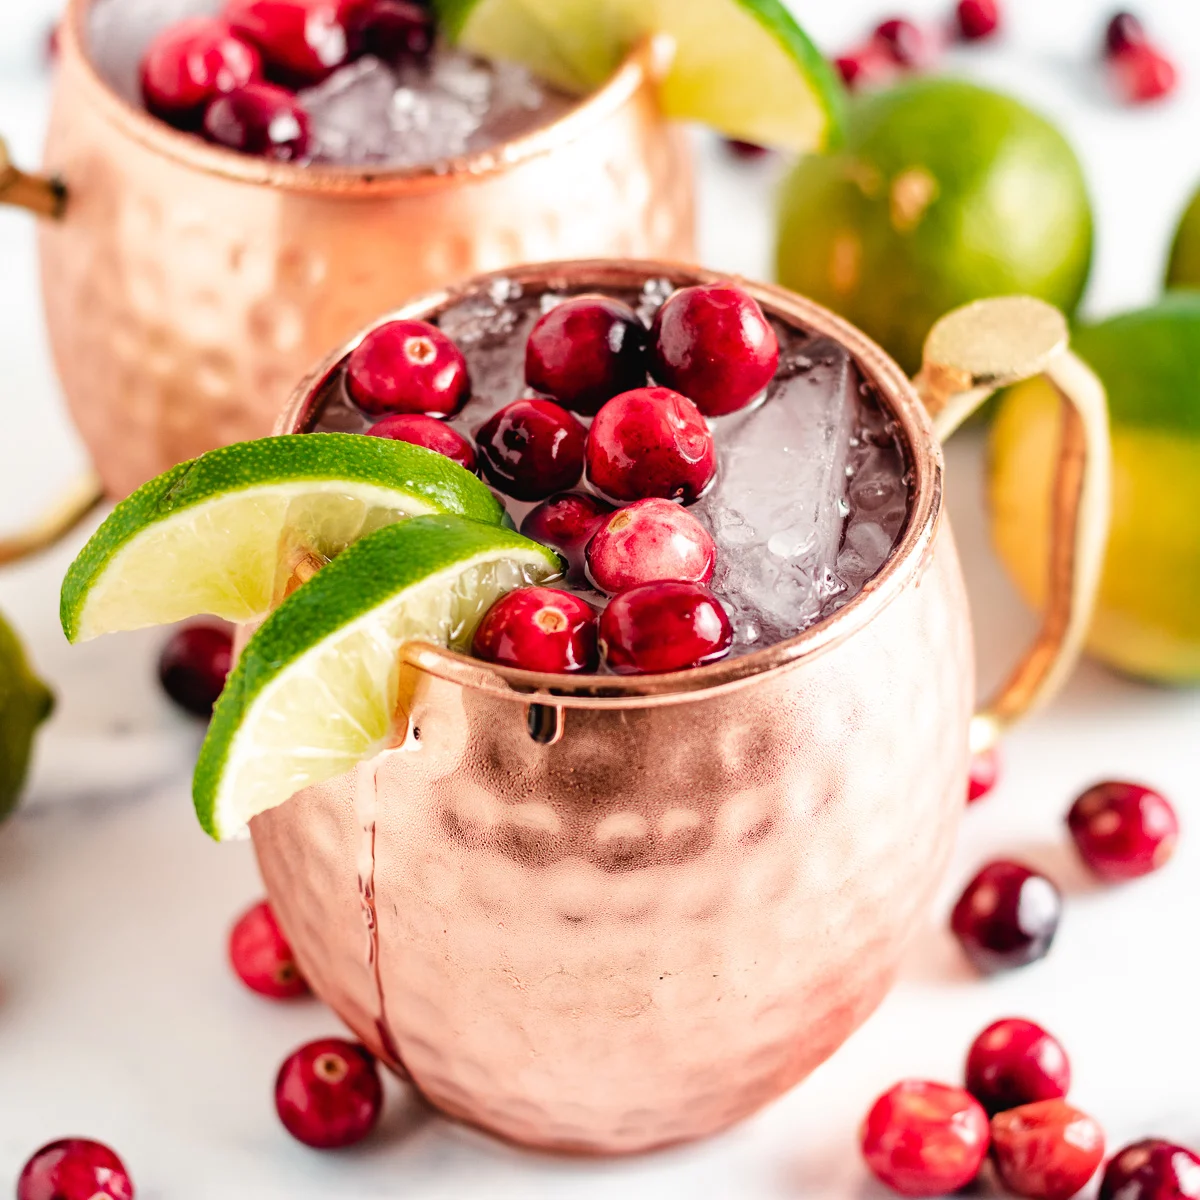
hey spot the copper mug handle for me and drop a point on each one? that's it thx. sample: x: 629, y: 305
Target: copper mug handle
x: 969, y: 354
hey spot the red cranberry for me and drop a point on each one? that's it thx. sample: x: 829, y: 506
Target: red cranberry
x: 977, y: 19
x: 531, y: 449
x: 74, y: 1169
x: 585, y: 351
x: 1124, y: 32
x: 1047, y: 1150
x: 408, y: 367
x: 1152, y: 1170
x: 419, y: 430
x: 191, y: 63
x: 328, y: 1094
x: 567, y: 522
x: 714, y: 344
x: 1007, y: 916
x: 903, y: 40
x: 652, y: 539
x: 925, y: 1139
x: 664, y: 626
x: 302, y: 41
x: 867, y: 65
x: 539, y: 629
x: 984, y: 774
x: 748, y: 151
x: 259, y: 119
x: 262, y: 957
x: 1142, y: 74
x: 1123, y: 830
x: 194, y: 664
x: 1015, y: 1062
x: 393, y: 30
x: 651, y: 442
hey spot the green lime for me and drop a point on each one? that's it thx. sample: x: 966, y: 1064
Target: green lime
x: 742, y: 66
x: 316, y: 689
x: 1183, y: 268
x: 25, y: 702
x: 1147, y: 620
x: 943, y: 193
x: 212, y: 535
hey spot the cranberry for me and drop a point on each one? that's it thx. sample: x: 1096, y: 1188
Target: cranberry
x: 259, y: 119
x: 539, y: 629
x: 925, y: 1139
x: 408, y: 367
x: 1007, y: 916
x: 903, y: 41
x: 714, y: 344
x: 567, y: 522
x: 74, y: 1169
x: 651, y: 442
x: 977, y: 19
x: 1124, y: 32
x: 864, y: 66
x: 1152, y: 1170
x: 191, y: 63
x: 984, y: 774
x: 1123, y: 830
x: 1047, y: 1150
x: 419, y: 430
x: 328, y: 1094
x: 585, y: 351
x: 1142, y: 74
x: 664, y: 626
x: 302, y: 41
x: 262, y: 957
x: 393, y: 30
x: 531, y: 449
x: 194, y: 664
x: 748, y: 151
x: 1014, y: 1062
x: 652, y: 539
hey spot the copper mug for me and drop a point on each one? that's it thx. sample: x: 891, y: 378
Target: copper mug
x: 608, y: 914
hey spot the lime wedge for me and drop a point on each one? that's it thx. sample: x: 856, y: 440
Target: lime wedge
x: 222, y: 533
x: 742, y: 66
x: 317, y: 687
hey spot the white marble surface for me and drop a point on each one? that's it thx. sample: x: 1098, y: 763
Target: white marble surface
x: 119, y: 1019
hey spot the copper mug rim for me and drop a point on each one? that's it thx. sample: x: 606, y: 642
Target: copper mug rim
x: 648, y: 60
x: 924, y: 460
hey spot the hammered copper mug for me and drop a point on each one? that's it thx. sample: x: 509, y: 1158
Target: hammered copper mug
x: 600, y: 915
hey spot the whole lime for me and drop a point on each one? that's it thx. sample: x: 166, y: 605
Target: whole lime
x: 1183, y: 267
x: 25, y: 702
x: 943, y: 193
x: 1147, y: 620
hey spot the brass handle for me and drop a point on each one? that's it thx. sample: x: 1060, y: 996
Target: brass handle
x: 38, y: 193
x: 86, y: 494
x: 968, y: 355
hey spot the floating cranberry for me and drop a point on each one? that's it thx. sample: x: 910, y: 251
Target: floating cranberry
x: 1047, y: 1150
x: 664, y: 626
x: 194, y: 665
x: 903, y: 40
x: 191, y: 63
x: 1123, y: 830
x: 328, y: 1094
x: 713, y: 344
x: 302, y: 41
x: 984, y: 774
x: 977, y: 19
x: 1142, y: 74
x: 261, y: 956
x: 567, y: 522
x: 925, y: 1139
x: 419, y: 430
x: 650, y: 540
x: 393, y: 30
x: 585, y: 351
x: 259, y: 119
x: 1124, y: 32
x: 531, y: 449
x: 539, y: 629
x: 1014, y: 1062
x: 74, y: 1169
x: 1007, y: 916
x: 408, y: 367
x: 651, y: 442
x: 1152, y: 1170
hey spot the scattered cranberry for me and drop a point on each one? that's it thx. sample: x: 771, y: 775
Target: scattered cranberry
x: 1123, y: 830
x: 393, y: 30
x: 1124, y: 32
x: 748, y: 151
x: 650, y: 540
x: 925, y: 1139
x: 539, y: 629
x: 651, y: 442
x: 585, y: 351
x: 262, y: 957
x: 302, y: 41
x: 903, y: 40
x: 1142, y: 74
x: 328, y: 1094
x: 977, y: 19
x: 984, y: 774
x: 1015, y: 1062
x: 531, y: 449
x: 419, y: 430
x: 74, y: 1169
x: 1152, y: 1170
x: 194, y: 664
x: 191, y: 63
x: 1047, y: 1150
x: 408, y: 367
x: 714, y: 345
x: 1007, y: 916
x: 259, y: 119
x: 867, y: 65
x: 664, y: 626
x: 567, y: 522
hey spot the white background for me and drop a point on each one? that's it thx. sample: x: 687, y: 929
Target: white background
x: 118, y: 1017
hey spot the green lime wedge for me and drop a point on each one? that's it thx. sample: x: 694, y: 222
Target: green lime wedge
x: 222, y: 533
x: 742, y: 66
x: 316, y: 688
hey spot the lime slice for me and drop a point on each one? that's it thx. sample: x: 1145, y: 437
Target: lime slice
x: 742, y: 66
x: 317, y: 686
x: 221, y: 534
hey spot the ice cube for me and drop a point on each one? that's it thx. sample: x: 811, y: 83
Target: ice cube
x: 348, y: 113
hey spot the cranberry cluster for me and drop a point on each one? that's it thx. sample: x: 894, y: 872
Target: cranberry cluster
x: 233, y: 78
